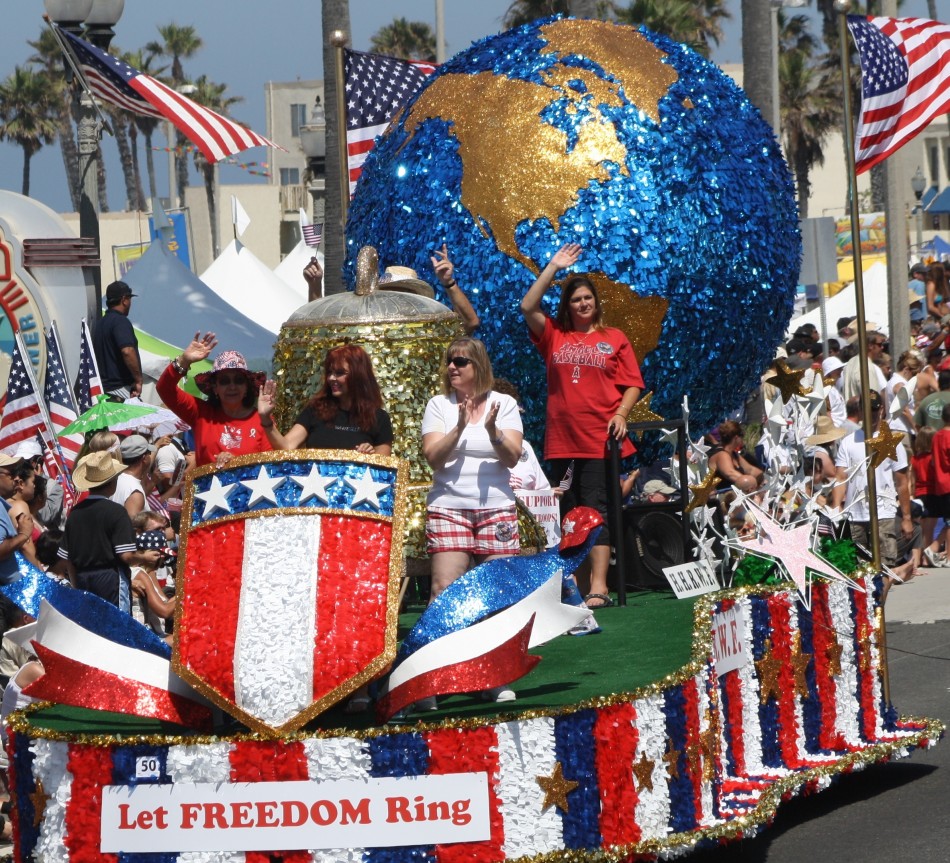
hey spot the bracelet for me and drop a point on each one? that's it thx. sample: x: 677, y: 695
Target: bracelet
x: 622, y: 416
x: 268, y: 425
x: 498, y: 440
x: 450, y: 285
x: 179, y: 368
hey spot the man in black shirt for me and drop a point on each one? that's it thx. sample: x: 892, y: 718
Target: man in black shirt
x: 116, y: 347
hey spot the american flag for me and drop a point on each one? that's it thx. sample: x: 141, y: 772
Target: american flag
x: 56, y: 471
x: 905, y: 65
x: 88, y: 382
x: 376, y: 88
x: 59, y: 400
x: 119, y: 84
x: 312, y: 234
x: 22, y: 413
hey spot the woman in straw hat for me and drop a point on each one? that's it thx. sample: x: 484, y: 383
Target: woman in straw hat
x: 227, y: 424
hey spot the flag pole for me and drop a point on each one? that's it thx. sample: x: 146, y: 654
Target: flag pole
x: 844, y: 38
x: 338, y: 40
x: 842, y: 7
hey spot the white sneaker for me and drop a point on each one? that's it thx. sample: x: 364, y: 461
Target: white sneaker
x: 935, y: 558
x: 588, y: 626
x: 499, y: 694
x: 424, y: 704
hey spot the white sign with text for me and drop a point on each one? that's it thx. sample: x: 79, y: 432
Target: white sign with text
x: 281, y: 816
x: 727, y: 643
x: 692, y: 579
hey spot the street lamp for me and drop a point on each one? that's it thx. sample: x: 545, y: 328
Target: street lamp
x: 99, y: 16
x: 918, y: 183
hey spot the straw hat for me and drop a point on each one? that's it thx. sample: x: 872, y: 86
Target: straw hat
x: 405, y: 280
x: 825, y: 432
x: 96, y: 469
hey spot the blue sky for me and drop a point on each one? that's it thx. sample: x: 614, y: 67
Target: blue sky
x: 287, y: 46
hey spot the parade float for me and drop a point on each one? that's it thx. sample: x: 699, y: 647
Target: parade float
x: 687, y: 721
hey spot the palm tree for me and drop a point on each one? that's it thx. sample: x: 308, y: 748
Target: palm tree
x: 525, y: 11
x: 758, y: 56
x: 408, y: 40
x: 49, y: 58
x: 212, y: 96
x: 335, y: 16
x: 179, y: 43
x: 689, y: 21
x: 27, y: 114
x: 143, y: 60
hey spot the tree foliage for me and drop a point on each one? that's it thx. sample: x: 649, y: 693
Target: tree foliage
x: 407, y: 40
x: 28, y: 114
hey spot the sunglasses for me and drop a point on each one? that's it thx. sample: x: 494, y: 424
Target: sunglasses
x: 227, y: 380
x: 458, y: 362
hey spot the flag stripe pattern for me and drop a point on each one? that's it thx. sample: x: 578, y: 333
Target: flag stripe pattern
x: 905, y: 66
x: 120, y: 84
x: 652, y: 771
x: 312, y: 234
x: 376, y: 88
x: 22, y: 413
x: 88, y: 383
x: 59, y: 400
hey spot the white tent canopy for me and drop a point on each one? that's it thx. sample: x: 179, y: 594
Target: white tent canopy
x: 247, y: 284
x: 843, y: 304
x: 291, y: 268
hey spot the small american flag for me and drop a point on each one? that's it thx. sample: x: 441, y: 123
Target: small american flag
x: 88, y: 382
x: 567, y: 479
x: 59, y: 400
x: 119, y: 84
x: 312, y: 235
x: 22, y: 413
x: 376, y: 88
x: 905, y: 65
x: 57, y: 472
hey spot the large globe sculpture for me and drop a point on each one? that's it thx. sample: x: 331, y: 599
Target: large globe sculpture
x: 623, y: 141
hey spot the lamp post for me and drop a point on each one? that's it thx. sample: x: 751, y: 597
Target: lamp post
x: 918, y: 183
x: 98, y: 16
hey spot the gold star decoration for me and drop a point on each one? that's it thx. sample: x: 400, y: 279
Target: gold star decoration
x: 672, y: 757
x: 708, y: 744
x: 789, y: 382
x: 768, y: 667
x: 864, y: 648
x: 39, y: 799
x: 641, y: 413
x: 800, y: 665
x: 884, y: 444
x: 833, y: 655
x: 693, y: 752
x: 556, y: 788
x: 702, y: 491
x: 643, y: 772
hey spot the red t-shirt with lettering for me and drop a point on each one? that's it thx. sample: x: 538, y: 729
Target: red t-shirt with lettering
x: 587, y: 377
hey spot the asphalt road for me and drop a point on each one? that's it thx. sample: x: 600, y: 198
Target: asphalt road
x: 895, y: 811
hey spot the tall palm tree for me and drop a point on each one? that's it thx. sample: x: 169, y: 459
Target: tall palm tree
x: 27, y: 114
x: 408, y: 40
x: 525, y: 11
x: 758, y: 55
x: 335, y: 15
x: 692, y: 22
x: 178, y: 43
x: 48, y: 56
x: 212, y: 96
x: 143, y: 60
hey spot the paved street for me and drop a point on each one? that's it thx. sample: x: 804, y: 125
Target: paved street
x: 893, y: 811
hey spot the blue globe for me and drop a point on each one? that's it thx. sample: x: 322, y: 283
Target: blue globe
x: 623, y: 141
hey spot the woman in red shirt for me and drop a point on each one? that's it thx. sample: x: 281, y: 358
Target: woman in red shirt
x: 227, y: 424
x: 593, y: 383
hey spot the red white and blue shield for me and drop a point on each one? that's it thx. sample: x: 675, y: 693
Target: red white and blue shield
x: 288, y: 581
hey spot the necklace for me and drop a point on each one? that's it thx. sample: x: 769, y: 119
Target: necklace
x: 582, y: 341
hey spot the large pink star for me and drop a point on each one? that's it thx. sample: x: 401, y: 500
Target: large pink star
x: 792, y: 548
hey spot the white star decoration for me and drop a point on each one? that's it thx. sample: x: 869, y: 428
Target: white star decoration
x: 314, y: 484
x: 366, y: 489
x: 264, y: 487
x: 216, y: 497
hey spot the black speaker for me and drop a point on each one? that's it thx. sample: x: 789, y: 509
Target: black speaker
x: 652, y: 540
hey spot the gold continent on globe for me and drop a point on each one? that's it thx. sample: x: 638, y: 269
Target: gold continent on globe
x: 499, y: 187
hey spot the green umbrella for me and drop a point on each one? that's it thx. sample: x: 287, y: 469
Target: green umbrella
x: 104, y: 413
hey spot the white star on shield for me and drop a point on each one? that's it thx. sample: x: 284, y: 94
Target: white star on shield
x: 263, y: 487
x: 216, y: 497
x: 314, y: 484
x: 366, y: 489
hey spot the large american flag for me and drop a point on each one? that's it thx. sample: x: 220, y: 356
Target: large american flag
x: 88, y: 382
x: 59, y: 399
x: 905, y: 64
x: 376, y: 88
x: 120, y: 84
x: 22, y: 413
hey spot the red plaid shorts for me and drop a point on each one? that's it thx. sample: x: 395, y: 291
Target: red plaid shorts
x: 475, y: 531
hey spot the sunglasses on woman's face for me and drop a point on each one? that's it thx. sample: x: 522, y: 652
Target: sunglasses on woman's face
x: 227, y: 380
x: 458, y: 362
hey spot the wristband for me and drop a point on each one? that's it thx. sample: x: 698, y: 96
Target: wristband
x: 495, y: 441
x: 179, y: 368
x: 267, y: 425
x: 450, y: 285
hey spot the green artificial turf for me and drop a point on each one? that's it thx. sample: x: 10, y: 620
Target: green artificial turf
x: 640, y: 644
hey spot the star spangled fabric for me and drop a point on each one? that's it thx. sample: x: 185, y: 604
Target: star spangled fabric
x: 88, y: 382
x: 22, y: 414
x: 376, y: 88
x: 59, y: 400
x: 905, y: 65
x: 120, y: 84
